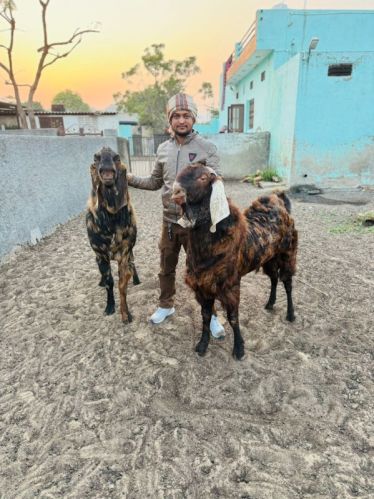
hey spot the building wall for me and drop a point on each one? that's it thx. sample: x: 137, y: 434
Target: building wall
x: 334, y: 134
x: 282, y: 116
x: 321, y: 127
x: 209, y: 128
x: 241, y: 154
x: 47, y: 183
x: 8, y: 122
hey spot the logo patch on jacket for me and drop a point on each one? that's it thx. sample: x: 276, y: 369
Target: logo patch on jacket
x: 192, y: 156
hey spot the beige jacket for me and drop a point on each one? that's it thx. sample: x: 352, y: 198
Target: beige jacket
x: 171, y: 158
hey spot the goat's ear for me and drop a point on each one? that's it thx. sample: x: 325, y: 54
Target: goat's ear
x: 117, y: 159
x: 97, y: 157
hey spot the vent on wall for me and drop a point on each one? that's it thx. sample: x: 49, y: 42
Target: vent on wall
x: 340, y: 70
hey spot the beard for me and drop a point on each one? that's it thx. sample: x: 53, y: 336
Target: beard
x: 182, y: 134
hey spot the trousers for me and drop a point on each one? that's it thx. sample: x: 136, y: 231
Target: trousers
x: 173, y: 237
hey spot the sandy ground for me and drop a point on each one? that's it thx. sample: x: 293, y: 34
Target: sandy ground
x: 90, y: 408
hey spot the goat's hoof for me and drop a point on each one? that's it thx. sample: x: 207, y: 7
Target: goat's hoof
x: 269, y: 306
x: 290, y: 317
x: 136, y: 281
x: 127, y: 319
x: 238, y: 352
x: 110, y: 309
x: 201, y: 348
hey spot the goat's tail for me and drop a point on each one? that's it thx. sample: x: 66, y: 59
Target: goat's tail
x: 286, y: 200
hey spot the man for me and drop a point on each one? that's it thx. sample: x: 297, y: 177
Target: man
x: 184, y: 147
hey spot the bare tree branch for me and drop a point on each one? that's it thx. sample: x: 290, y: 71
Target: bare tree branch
x: 60, y: 56
x: 47, y: 50
x: 48, y: 46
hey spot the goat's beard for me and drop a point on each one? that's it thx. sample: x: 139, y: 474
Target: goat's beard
x: 196, y: 214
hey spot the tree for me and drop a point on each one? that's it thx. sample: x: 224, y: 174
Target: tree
x: 72, y: 101
x: 36, y: 105
x: 206, y: 92
x: 169, y: 78
x: 49, y: 54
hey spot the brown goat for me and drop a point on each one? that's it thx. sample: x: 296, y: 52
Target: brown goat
x: 263, y: 235
x: 111, y: 226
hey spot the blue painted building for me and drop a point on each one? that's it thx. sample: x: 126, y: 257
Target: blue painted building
x: 209, y: 128
x: 307, y: 77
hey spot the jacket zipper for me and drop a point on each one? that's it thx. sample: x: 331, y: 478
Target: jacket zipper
x: 179, y: 150
x: 176, y: 173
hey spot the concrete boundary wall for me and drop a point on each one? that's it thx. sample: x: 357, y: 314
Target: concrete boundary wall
x: 45, y: 182
x: 241, y: 153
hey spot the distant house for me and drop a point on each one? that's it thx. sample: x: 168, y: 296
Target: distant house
x: 86, y: 123
x: 93, y: 122
x: 8, y: 115
x: 307, y: 77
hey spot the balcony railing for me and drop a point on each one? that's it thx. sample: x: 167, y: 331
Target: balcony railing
x: 243, y: 50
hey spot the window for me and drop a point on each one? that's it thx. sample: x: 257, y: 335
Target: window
x: 235, y: 118
x: 51, y: 121
x: 340, y: 70
x: 263, y: 76
x: 251, y: 85
x: 251, y: 113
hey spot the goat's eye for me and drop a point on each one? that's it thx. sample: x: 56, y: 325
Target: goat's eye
x: 203, y: 178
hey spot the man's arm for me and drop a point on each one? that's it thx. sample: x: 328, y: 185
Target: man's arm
x: 151, y: 183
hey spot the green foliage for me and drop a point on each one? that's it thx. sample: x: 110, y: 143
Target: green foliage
x: 267, y: 175
x: 214, y: 112
x: 36, y: 106
x: 206, y: 90
x: 169, y: 76
x: 72, y: 101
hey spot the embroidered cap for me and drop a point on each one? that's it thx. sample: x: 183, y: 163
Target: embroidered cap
x: 179, y: 102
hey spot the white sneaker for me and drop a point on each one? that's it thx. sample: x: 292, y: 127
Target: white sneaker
x: 161, y: 314
x: 216, y: 328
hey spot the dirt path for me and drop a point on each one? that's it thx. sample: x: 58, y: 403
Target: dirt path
x: 92, y: 409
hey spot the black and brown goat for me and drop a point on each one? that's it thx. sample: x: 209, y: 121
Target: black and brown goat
x: 111, y: 226
x: 264, y: 235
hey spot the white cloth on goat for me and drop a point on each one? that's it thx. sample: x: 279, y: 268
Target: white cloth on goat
x: 219, y: 206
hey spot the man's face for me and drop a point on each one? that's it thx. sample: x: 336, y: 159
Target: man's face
x: 182, y: 122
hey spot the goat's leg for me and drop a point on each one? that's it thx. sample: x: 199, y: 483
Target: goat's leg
x: 238, y: 350
x: 106, y: 282
x: 124, y: 273
x: 290, y: 310
x: 271, y: 269
x: 206, y: 312
x: 287, y: 270
x: 231, y: 303
x: 135, y: 277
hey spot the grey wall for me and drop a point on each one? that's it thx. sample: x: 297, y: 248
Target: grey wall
x: 36, y: 131
x: 242, y: 153
x: 44, y: 182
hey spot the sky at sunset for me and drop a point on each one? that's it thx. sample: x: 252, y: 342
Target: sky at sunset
x: 207, y: 29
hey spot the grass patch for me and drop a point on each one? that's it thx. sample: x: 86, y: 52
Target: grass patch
x: 355, y: 225
x: 267, y: 175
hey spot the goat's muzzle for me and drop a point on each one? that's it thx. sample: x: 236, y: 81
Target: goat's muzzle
x: 108, y: 176
x: 179, y: 194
